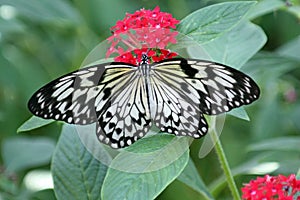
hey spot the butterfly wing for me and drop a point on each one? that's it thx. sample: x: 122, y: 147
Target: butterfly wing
x: 124, y: 114
x: 69, y: 98
x: 175, y: 111
x: 112, y: 95
x: 205, y: 87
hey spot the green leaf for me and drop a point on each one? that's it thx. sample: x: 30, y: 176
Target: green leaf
x: 57, y: 11
x: 240, y: 113
x: 190, y: 177
x: 9, y: 26
x: 145, y: 168
x: 271, y: 65
x: 288, y: 166
x: 43, y: 194
x: 295, y: 10
x: 210, y: 22
x: 277, y: 144
x: 34, y: 123
x: 100, y: 21
x: 77, y: 174
x: 265, y: 6
x: 263, y: 128
x: 234, y: 48
x: 24, y: 152
x: 290, y: 49
x: 298, y: 174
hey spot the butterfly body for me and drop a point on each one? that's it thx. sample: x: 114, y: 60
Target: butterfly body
x: 126, y: 100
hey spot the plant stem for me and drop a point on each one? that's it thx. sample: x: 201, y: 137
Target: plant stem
x: 224, y: 163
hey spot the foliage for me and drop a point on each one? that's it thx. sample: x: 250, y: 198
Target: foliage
x: 41, y: 40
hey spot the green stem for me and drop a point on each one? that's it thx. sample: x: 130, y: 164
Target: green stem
x: 224, y: 163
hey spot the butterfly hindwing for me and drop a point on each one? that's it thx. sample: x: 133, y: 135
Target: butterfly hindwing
x: 124, y: 117
x: 176, y: 113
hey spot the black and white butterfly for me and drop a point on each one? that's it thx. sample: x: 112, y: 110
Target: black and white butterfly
x: 126, y: 100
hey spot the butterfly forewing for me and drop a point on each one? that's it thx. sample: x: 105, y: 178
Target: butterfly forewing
x: 214, y: 87
x: 69, y: 98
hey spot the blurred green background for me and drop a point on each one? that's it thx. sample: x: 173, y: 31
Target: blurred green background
x: 43, y: 39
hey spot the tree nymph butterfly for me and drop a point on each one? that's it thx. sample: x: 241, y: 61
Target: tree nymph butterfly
x: 126, y: 100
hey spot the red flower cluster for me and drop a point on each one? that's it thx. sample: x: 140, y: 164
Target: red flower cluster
x: 143, y: 29
x: 134, y: 57
x: 272, y: 187
x: 145, y: 18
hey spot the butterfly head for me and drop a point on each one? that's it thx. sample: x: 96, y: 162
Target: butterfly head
x: 145, y: 59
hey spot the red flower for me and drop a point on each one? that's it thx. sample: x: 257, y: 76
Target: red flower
x: 155, y: 55
x: 145, y: 18
x: 272, y: 187
x: 143, y: 31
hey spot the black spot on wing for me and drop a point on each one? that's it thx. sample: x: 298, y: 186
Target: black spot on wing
x: 187, y: 69
x: 107, y: 93
x: 184, y: 86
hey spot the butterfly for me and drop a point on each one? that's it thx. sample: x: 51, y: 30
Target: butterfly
x: 126, y: 100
